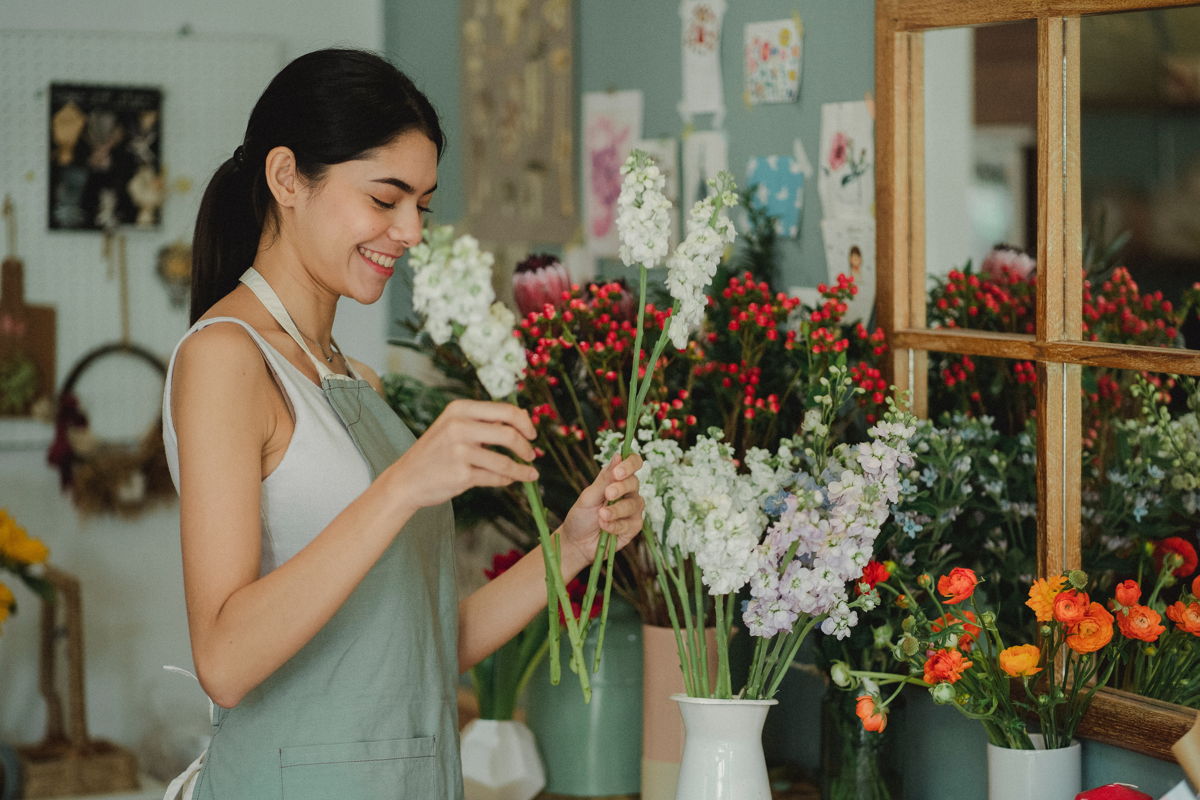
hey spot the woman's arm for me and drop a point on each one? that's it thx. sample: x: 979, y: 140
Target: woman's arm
x: 244, y: 627
x: 497, y: 611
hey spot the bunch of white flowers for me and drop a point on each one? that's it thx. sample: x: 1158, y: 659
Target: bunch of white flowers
x: 690, y: 269
x: 643, y: 212
x: 452, y: 290
x: 826, y: 533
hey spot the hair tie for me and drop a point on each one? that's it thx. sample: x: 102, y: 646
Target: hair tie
x: 239, y: 155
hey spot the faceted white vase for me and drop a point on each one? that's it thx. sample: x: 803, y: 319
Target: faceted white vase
x: 722, y: 749
x: 1034, y: 774
x: 500, y: 761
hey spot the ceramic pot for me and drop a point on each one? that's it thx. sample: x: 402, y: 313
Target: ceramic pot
x: 662, y: 727
x: 500, y: 761
x: 722, y: 749
x: 1036, y: 774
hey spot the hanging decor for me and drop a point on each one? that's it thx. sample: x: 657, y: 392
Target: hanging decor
x: 772, y: 52
x: 174, y: 269
x: 26, y: 336
x: 612, y: 123
x: 108, y: 477
x: 105, y: 157
x: 701, y: 43
x: 518, y: 89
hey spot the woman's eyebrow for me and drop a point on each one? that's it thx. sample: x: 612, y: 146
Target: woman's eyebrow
x: 404, y: 186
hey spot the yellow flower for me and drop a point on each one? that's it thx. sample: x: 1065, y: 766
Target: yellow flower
x: 1042, y: 594
x: 1021, y: 660
x: 17, y: 544
x: 6, y: 602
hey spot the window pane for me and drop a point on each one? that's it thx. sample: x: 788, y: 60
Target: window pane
x: 980, y: 168
x: 1140, y: 174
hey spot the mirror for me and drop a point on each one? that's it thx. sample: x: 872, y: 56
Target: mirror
x: 1033, y: 196
x: 1140, y: 180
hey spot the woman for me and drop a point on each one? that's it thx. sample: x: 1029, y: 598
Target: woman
x: 316, y: 532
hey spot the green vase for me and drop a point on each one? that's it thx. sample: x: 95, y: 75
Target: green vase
x: 594, y: 749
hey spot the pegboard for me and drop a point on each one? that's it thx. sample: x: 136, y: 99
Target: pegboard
x: 209, y: 85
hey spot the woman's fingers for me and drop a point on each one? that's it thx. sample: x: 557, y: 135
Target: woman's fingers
x: 502, y: 466
x: 487, y: 411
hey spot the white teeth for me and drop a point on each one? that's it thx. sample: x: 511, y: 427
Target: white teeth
x: 387, y: 262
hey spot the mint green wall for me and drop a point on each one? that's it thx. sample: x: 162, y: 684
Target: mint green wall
x: 633, y: 44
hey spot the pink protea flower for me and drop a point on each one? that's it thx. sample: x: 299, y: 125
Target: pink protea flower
x: 1005, y: 260
x: 540, y: 280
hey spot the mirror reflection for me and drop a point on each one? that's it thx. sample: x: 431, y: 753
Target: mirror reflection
x: 1140, y: 180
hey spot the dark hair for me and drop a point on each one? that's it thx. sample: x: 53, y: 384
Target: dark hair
x: 328, y: 106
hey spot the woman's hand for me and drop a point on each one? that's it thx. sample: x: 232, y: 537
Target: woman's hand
x: 455, y: 453
x: 611, y: 503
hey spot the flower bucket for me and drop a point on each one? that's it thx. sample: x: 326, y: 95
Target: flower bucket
x: 1034, y: 774
x: 662, y: 727
x: 500, y: 761
x: 593, y: 750
x: 722, y: 749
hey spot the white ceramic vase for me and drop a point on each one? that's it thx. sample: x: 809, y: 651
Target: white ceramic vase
x: 500, y: 761
x: 1036, y: 774
x: 722, y: 749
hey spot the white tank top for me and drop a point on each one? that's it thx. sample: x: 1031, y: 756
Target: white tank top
x: 321, y: 471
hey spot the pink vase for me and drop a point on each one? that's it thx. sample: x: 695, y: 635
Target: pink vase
x: 662, y: 726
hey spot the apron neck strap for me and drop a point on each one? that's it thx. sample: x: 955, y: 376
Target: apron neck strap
x: 267, y: 296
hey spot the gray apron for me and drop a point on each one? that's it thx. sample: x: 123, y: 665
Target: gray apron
x: 367, y: 710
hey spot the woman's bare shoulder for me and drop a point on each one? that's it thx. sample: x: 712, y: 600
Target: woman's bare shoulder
x: 369, y: 375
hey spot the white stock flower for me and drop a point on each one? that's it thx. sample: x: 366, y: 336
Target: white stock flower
x: 495, y: 352
x: 452, y: 282
x: 643, y: 212
x: 694, y: 263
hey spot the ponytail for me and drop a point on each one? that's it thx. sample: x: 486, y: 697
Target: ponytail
x: 328, y: 107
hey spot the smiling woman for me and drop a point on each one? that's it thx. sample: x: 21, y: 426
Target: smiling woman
x: 317, y: 535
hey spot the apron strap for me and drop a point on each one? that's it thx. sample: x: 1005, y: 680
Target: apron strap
x: 267, y: 296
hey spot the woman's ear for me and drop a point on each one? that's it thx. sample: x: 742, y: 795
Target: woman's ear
x: 280, y: 167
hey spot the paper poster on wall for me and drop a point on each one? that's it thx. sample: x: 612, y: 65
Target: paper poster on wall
x: 702, y: 90
x: 612, y: 122
x: 104, y: 157
x: 779, y: 189
x: 772, y: 61
x: 850, y: 250
x: 665, y: 153
x: 705, y: 153
x: 846, y: 181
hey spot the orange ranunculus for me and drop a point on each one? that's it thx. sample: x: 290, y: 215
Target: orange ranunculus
x: 1071, y: 606
x: 1092, y: 632
x: 1196, y: 587
x: 945, y: 666
x: 874, y: 718
x: 6, y: 602
x: 957, y: 586
x: 1187, y: 618
x: 1140, y: 622
x: 1042, y: 594
x: 1021, y: 660
x: 966, y: 620
x: 1128, y: 593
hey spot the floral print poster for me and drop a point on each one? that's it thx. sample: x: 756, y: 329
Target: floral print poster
x: 701, y: 43
x: 612, y: 124
x: 846, y: 171
x: 773, y: 52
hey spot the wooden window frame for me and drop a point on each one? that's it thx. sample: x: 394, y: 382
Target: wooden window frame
x: 1118, y: 718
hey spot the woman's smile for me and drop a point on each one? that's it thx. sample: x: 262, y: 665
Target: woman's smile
x: 382, y: 263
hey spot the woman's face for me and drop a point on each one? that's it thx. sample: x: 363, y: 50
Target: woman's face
x: 364, y: 214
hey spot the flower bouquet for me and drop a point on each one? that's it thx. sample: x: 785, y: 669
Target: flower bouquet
x: 709, y: 528
x: 961, y: 657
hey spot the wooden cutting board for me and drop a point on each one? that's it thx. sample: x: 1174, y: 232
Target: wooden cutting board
x: 26, y: 331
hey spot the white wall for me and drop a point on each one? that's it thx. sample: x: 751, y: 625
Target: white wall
x: 949, y: 111
x: 130, y: 572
